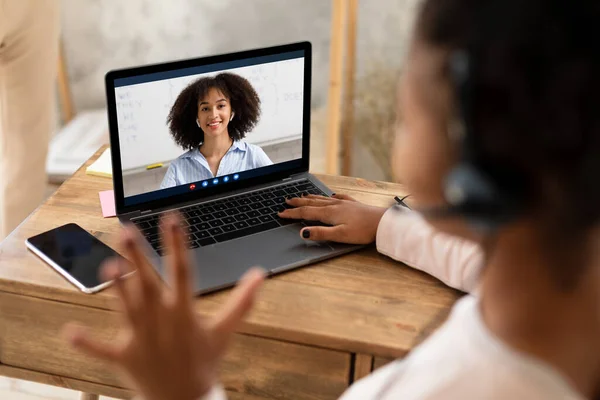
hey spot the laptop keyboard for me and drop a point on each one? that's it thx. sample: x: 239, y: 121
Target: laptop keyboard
x: 231, y: 218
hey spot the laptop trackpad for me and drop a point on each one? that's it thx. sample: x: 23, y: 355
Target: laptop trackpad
x: 278, y: 249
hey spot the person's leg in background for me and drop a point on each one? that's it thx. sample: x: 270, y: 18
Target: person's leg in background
x: 29, y: 38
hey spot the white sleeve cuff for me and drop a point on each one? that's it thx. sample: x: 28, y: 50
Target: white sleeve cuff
x: 406, y: 237
x: 392, y: 227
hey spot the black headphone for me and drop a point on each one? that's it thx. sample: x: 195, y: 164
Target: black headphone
x: 486, y: 199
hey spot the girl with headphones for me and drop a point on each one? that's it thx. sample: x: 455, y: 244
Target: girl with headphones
x: 210, y: 118
x: 501, y: 152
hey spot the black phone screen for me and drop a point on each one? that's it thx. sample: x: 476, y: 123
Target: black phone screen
x: 76, y: 251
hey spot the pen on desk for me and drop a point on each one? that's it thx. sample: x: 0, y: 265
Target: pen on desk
x: 401, y: 202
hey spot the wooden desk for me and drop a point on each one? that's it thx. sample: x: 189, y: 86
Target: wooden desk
x: 312, y: 332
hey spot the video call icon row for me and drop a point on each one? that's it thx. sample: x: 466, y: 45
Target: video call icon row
x: 216, y: 181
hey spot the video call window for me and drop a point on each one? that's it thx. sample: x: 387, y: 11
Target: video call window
x: 208, y: 128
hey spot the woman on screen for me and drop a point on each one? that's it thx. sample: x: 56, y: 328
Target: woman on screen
x: 210, y: 119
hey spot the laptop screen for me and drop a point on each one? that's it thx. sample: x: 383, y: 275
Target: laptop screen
x: 197, y: 128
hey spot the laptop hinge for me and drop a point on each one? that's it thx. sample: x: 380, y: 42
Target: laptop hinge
x: 145, y: 212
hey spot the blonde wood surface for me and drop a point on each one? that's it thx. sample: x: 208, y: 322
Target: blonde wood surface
x: 243, y: 396
x: 361, y: 303
x: 363, y: 365
x: 31, y: 332
x: 379, y: 362
x: 88, y: 396
x: 31, y: 337
x: 105, y: 390
x: 64, y: 382
x: 348, y: 104
x: 280, y: 370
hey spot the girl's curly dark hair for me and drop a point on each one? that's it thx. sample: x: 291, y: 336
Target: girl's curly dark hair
x: 242, y: 97
x: 536, y: 85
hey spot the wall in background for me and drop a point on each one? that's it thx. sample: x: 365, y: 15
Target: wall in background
x: 100, y: 35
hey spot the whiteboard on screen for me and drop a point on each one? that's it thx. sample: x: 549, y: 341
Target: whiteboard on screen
x: 142, y: 111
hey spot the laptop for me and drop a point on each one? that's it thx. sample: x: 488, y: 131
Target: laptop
x: 229, y: 207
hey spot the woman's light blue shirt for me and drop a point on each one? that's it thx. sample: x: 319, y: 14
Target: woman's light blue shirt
x: 193, y: 167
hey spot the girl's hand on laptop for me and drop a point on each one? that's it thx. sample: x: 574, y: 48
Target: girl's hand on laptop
x: 164, y: 348
x: 353, y: 222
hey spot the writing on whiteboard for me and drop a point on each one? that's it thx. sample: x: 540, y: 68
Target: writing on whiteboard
x: 142, y: 111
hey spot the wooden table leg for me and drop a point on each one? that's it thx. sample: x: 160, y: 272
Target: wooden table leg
x: 341, y: 80
x: 89, y: 396
x: 336, y: 71
x: 348, y: 89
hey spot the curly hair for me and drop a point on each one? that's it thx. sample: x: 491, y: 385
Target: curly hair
x: 241, y: 95
x: 536, y: 87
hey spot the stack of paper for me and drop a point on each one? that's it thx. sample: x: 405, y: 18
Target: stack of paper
x: 102, y: 166
x: 75, y: 143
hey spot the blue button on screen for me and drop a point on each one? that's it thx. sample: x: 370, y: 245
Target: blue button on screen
x: 205, y: 184
x: 226, y: 179
x: 236, y: 177
x: 215, y: 181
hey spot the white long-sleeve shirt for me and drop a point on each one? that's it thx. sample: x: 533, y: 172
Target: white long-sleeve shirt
x: 462, y: 359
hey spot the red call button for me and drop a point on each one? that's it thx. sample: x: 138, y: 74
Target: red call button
x: 192, y: 186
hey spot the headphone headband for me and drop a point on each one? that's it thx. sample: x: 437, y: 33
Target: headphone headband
x: 470, y: 189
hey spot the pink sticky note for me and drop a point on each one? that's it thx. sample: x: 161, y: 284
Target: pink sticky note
x: 107, y: 201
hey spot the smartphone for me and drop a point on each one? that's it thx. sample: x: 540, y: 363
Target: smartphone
x: 75, y: 254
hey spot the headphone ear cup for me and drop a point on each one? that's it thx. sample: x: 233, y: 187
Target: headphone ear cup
x: 476, y: 197
x: 465, y: 183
